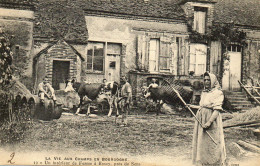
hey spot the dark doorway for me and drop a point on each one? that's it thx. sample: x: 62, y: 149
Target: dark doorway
x: 60, y: 73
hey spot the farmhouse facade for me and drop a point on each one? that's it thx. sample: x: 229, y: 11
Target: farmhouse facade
x: 140, y: 38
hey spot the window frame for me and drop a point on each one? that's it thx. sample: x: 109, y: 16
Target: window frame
x: 196, y: 63
x: 197, y: 11
x: 157, y: 54
x: 93, y: 57
x: 169, y: 57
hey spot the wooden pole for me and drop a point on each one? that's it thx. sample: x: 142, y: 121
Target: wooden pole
x: 242, y: 124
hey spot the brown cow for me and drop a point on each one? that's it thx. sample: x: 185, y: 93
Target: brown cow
x: 93, y: 92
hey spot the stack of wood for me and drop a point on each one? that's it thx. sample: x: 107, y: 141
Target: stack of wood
x: 250, y: 118
x: 241, y: 149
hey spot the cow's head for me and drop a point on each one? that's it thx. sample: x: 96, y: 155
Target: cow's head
x: 75, y: 85
x: 145, y: 92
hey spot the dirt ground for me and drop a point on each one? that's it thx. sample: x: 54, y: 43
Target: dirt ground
x: 156, y: 140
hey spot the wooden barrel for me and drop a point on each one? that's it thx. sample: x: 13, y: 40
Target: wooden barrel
x: 43, y: 111
x: 56, y: 114
x: 47, y: 110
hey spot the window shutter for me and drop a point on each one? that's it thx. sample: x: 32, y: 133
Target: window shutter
x: 181, y: 57
x: 215, y: 55
x: 165, y: 58
x: 123, y: 61
x: 186, y: 56
x: 139, y: 55
x: 142, y: 59
x: 174, y: 56
x: 145, y: 52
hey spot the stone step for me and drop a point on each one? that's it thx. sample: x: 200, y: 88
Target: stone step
x: 236, y: 94
x: 243, y: 106
x: 230, y: 93
x: 236, y: 97
x: 239, y: 101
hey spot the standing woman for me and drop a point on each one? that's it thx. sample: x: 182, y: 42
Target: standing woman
x: 204, y: 150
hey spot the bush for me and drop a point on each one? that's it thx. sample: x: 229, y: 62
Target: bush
x: 13, y: 130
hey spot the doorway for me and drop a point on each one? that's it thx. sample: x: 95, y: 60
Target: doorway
x: 112, y: 62
x: 60, y: 73
x: 232, y: 67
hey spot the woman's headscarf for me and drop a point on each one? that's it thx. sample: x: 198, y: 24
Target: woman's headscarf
x: 214, y: 84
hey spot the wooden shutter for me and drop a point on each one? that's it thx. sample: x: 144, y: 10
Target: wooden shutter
x: 181, y: 56
x: 139, y: 55
x: 174, y: 55
x: 165, y: 53
x: 215, y: 56
x: 122, y: 60
x: 142, y: 51
x: 186, y: 57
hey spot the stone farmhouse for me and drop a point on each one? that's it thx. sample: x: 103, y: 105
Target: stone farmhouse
x: 90, y: 40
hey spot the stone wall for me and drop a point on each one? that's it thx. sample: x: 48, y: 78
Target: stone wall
x: 127, y: 31
x: 189, y: 10
x: 59, y: 51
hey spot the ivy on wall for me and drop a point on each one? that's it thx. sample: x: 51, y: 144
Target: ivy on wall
x: 6, y: 58
x: 225, y: 33
x: 18, y: 35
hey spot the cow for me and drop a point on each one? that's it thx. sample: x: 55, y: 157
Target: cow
x: 166, y: 94
x: 93, y: 92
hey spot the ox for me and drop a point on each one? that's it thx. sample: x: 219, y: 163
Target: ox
x: 165, y: 94
x: 93, y: 92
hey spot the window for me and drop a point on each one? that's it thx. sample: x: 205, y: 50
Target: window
x: 199, y: 19
x: 153, y: 55
x: 198, y: 58
x: 234, y: 48
x: 112, y: 64
x: 95, y: 57
x: 113, y: 49
x: 165, y: 56
x: 159, y: 56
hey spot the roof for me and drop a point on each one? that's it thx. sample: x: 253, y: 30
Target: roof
x: 201, y: 1
x: 18, y: 4
x: 169, y: 9
x: 241, y: 12
x: 45, y: 50
x: 65, y: 18
x: 60, y: 19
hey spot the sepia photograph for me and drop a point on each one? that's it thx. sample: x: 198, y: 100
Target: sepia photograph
x: 130, y: 82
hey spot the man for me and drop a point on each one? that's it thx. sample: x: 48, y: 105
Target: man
x: 126, y: 99
x: 153, y: 84
x: 45, y: 89
x: 149, y: 102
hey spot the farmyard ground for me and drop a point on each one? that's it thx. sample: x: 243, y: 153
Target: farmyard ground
x: 150, y: 139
